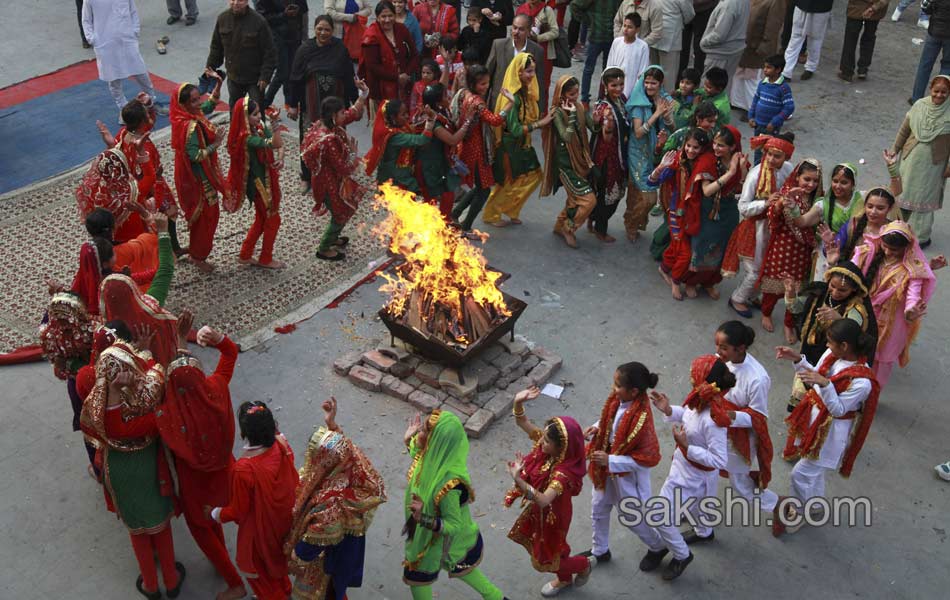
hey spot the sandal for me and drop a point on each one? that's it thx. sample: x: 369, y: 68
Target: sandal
x: 173, y: 593
x: 140, y: 586
x: 341, y: 241
x: 160, y: 46
x: 335, y: 258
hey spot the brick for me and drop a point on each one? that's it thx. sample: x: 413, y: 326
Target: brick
x: 460, y: 407
x: 450, y: 382
x: 543, y: 372
x: 478, y: 423
x: 365, y: 377
x: 507, y: 363
x: 396, y: 388
x: 522, y: 383
x: 378, y: 360
x: 423, y: 401
x: 393, y: 352
x: 530, y: 362
x: 342, y: 365
x: 486, y: 374
x: 500, y: 405
x: 516, y: 346
x: 547, y: 356
x: 401, y: 370
x: 429, y: 373
x: 413, y: 381
x: 434, y: 392
x: 503, y: 382
x: 483, y: 398
x: 492, y: 352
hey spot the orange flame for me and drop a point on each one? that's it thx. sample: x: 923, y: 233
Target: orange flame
x: 442, y: 265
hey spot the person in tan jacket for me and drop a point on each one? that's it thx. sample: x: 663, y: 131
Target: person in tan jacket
x: 863, y: 17
x: 763, y: 40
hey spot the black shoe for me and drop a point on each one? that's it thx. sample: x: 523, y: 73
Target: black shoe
x: 190, y: 20
x: 156, y: 595
x: 692, y: 538
x: 848, y: 77
x: 173, y: 593
x: 172, y: 20
x: 862, y: 74
x: 652, y: 560
x: 807, y: 75
x: 677, y: 566
x: 603, y: 558
x: 86, y: 44
x: 925, y: 244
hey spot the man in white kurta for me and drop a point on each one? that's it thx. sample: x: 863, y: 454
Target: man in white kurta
x: 629, y: 53
x: 750, y: 207
x: 112, y: 27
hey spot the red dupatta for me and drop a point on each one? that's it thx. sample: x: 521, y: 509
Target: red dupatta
x: 190, y: 190
x: 741, y: 441
x: 543, y: 531
x: 374, y: 36
x: 120, y: 299
x: 108, y: 184
x: 381, y: 134
x: 685, y: 218
x: 635, y: 437
x: 88, y: 277
x: 240, y: 153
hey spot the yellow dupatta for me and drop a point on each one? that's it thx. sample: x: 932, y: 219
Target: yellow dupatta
x: 530, y: 112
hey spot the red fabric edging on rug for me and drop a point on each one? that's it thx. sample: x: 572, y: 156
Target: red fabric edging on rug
x: 22, y: 355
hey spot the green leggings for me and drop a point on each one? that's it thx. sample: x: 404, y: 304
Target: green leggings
x: 476, y: 580
x: 332, y: 232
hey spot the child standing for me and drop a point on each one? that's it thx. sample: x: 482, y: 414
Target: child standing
x: 686, y: 98
x: 475, y: 36
x: 255, y: 172
x: 610, y: 176
x: 714, y: 90
x: 449, y: 59
x: 772, y: 104
x: 430, y: 72
x: 437, y: 179
x: 567, y: 159
x: 629, y: 53
x: 622, y: 451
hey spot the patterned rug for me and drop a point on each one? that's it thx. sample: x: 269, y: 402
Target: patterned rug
x: 42, y: 234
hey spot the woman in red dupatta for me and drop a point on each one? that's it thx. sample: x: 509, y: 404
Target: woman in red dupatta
x: 110, y: 184
x: 683, y: 173
x: 389, y: 56
x: 255, y: 173
x: 198, y: 177
x: 547, y: 480
x: 437, y: 20
x: 121, y: 300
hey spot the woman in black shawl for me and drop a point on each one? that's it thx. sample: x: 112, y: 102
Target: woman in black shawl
x: 842, y: 295
x: 321, y: 68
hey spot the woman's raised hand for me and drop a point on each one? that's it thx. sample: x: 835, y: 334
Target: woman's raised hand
x: 668, y: 159
x: 661, y: 402
x: 415, y: 425
x: 528, y: 394
x: 890, y: 157
x: 938, y: 262
x: 826, y: 234
x: 786, y: 353
x: 329, y: 413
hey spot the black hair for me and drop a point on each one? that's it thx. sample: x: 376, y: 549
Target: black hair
x: 328, y: 109
x: 449, y: 42
x: 103, y: 249
x: 718, y: 77
x: 473, y: 74
x: 705, y: 110
x: 692, y: 75
x: 893, y: 239
x: 433, y: 66
x: 807, y: 166
x: 611, y: 74
x: 569, y: 85
x: 655, y: 73
x: 251, y: 106
x: 470, y: 56
x: 474, y: 11
x: 788, y: 136
x: 830, y: 205
x: 635, y: 17
x: 257, y: 422
x: 383, y: 5
x: 392, y: 107
x: 727, y: 137
x: 777, y: 61
x: 699, y: 135
x: 326, y: 18
x: 737, y: 333
x: 857, y: 237
x: 553, y: 432
x: 636, y: 375
x: 134, y: 114
x: 847, y: 331
x: 185, y: 92
x: 432, y: 95
x: 120, y: 329
x: 100, y: 223
x: 721, y: 376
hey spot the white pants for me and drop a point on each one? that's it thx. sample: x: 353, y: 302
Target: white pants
x: 745, y: 487
x: 670, y: 533
x: 115, y: 88
x: 601, y: 507
x: 744, y: 84
x: 806, y: 26
x: 745, y: 292
x: 808, y: 480
x: 729, y: 62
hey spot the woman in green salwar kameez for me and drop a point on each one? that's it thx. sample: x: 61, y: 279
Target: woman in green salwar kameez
x: 441, y: 534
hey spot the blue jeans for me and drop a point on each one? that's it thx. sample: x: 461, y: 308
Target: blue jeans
x: 594, y: 49
x: 933, y: 47
x: 903, y: 4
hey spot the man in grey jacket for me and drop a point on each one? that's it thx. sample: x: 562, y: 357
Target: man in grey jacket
x: 724, y: 39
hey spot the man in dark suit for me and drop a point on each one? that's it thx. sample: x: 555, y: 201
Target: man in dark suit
x: 503, y: 52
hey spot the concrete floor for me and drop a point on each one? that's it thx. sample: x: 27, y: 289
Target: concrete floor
x: 598, y: 307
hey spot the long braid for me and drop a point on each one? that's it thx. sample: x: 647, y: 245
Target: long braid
x: 848, y: 251
x: 875, y: 266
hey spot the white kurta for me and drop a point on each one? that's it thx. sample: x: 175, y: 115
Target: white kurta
x: 112, y: 27
x: 838, y: 404
x: 750, y: 206
x: 632, y: 58
x: 752, y: 391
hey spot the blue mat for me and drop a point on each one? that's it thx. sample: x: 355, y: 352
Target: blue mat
x: 56, y: 132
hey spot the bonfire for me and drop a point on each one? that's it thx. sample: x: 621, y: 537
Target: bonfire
x: 443, y: 288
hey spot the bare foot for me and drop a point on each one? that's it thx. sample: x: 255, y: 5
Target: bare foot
x: 712, y: 291
x: 767, y: 324
x: 569, y: 238
x: 634, y: 236
x: 606, y: 238
x: 590, y: 227
x: 666, y: 278
x: 739, y: 306
x: 273, y: 264
x: 498, y: 223
x: 515, y: 221
x: 247, y: 261
x: 691, y: 291
x: 675, y: 289
x: 791, y: 336
x: 202, y: 265
x: 232, y: 593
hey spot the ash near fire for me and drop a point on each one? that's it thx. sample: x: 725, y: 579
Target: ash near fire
x: 443, y: 289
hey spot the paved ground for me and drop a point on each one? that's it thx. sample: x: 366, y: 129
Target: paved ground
x: 603, y: 305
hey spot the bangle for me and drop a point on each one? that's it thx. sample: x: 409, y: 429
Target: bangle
x: 517, y: 413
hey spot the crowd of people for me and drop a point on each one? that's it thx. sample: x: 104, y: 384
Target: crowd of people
x: 453, y: 111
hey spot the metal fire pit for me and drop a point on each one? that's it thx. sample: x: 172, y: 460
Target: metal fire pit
x: 432, y: 347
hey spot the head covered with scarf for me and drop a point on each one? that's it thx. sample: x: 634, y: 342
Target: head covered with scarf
x: 109, y: 184
x: 120, y: 299
x: 383, y: 129
x: 529, y: 111
x: 578, y: 146
x: 184, y: 124
x: 239, y: 151
x: 568, y: 467
x: 704, y: 375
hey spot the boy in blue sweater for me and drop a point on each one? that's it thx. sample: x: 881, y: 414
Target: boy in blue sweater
x: 772, y: 104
